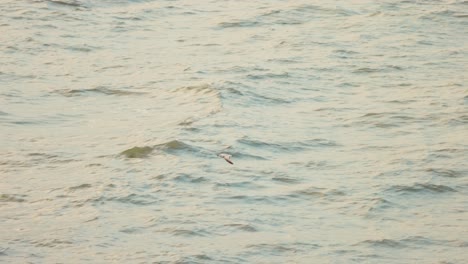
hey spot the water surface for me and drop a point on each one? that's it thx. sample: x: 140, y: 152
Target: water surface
x: 347, y: 123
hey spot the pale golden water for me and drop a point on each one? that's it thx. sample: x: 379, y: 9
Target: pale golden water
x: 346, y: 120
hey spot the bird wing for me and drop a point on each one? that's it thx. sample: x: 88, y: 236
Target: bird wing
x: 229, y: 161
x: 226, y: 157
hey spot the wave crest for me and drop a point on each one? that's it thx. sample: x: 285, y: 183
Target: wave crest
x: 170, y: 147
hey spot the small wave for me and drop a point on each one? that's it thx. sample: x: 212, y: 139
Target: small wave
x: 234, y: 91
x: 458, y: 120
x: 242, y: 184
x: 81, y: 48
x: 257, y: 199
x: 425, y: 241
x: 14, y: 163
x: 134, y: 199
x: 187, y: 122
x: 386, y: 68
x: 366, y: 70
x: 451, y: 150
x: 198, y: 89
x: 242, y: 227
x: 321, y: 142
x: 446, y: 173
x: 288, y: 180
x: 420, y: 240
x: 130, y: 230
x: 42, y: 155
x: 260, y: 144
x: 185, y: 232
x: 412, y: 241
x: 318, y: 193
x: 294, y: 16
x: 195, y: 259
x: 41, y: 158
x: 52, y: 243
x: 175, y: 146
x: 205, y: 95
x: 376, y: 115
x: 288, y: 146
x: 266, y: 98
x: 344, y: 51
x: 280, y: 248
x: 70, y: 3
x: 239, y: 24
x: 81, y: 186
x: 379, y: 204
x: 301, y: 14
x: 137, y: 152
x: 403, y: 102
x: 245, y: 155
x: 268, y: 76
x: 94, y: 165
x: 321, y: 10
x: 316, y: 164
x: 388, y: 119
x: 421, y: 188
x: 271, y: 12
x: 97, y: 90
x: 13, y: 198
x: 182, y: 177
x: 277, y: 248
x: 282, y: 17
x: 26, y: 122
x: 170, y: 147
x: 93, y: 3
x: 445, y: 13
x: 389, y: 243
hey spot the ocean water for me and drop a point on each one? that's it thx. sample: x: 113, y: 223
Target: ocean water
x: 346, y: 122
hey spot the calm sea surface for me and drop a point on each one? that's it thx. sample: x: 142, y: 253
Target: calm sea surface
x: 347, y: 122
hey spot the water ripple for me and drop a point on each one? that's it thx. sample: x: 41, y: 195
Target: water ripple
x: 420, y: 188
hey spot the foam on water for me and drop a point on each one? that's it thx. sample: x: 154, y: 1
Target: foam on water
x: 346, y: 123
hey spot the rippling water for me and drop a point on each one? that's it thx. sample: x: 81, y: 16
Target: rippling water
x: 347, y: 124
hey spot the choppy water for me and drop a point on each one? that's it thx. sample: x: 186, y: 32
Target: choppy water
x: 347, y: 122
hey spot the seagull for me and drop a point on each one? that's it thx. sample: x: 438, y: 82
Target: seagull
x: 226, y: 157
